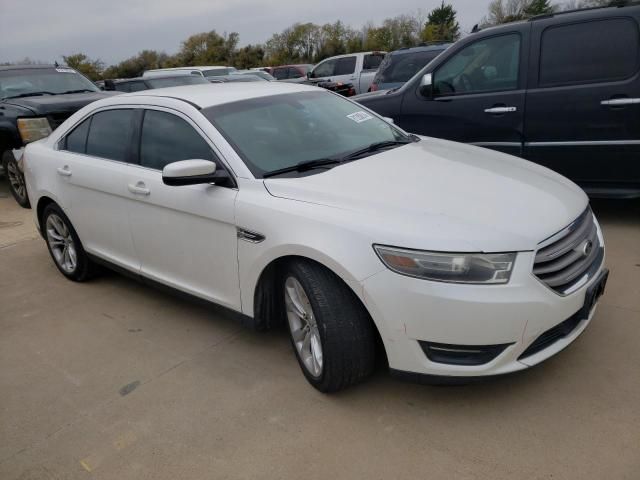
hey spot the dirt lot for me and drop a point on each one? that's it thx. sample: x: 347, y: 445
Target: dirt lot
x: 112, y: 379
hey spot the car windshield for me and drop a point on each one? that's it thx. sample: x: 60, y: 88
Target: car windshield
x: 176, y: 81
x: 281, y: 131
x: 401, y: 67
x: 215, y: 72
x: 42, y: 81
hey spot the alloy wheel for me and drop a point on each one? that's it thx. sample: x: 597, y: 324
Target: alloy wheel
x: 16, y: 180
x: 303, y: 327
x: 61, y: 243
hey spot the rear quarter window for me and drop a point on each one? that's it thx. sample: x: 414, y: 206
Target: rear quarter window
x: 589, y: 52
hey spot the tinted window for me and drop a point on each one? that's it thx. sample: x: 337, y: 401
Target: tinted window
x: 167, y: 138
x: 345, y: 66
x: 490, y: 64
x: 372, y: 61
x: 109, y: 134
x: 280, y: 73
x: 77, y: 139
x: 137, y: 86
x: 400, y: 68
x: 589, y: 52
x: 295, y: 73
x: 325, y: 69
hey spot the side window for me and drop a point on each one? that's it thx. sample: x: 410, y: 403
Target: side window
x: 345, y: 66
x: 372, y: 61
x: 608, y: 50
x: 166, y: 138
x: 280, y: 73
x: 109, y: 134
x: 137, y: 86
x: 76, y: 141
x: 325, y: 69
x: 294, y: 73
x: 490, y: 64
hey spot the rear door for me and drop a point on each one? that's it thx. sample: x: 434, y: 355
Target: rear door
x: 583, y: 105
x: 93, y: 163
x: 478, y: 94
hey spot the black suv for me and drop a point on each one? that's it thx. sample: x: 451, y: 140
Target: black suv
x: 562, y: 90
x: 34, y: 101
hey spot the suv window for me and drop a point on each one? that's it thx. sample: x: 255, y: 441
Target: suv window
x: 109, y: 134
x: 345, y: 66
x: 295, y: 73
x: 325, y: 69
x: 372, y: 61
x: 608, y: 50
x: 401, y: 67
x: 166, y: 138
x: 76, y: 141
x: 489, y: 64
x: 280, y: 73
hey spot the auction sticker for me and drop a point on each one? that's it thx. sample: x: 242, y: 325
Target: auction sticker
x: 359, y: 117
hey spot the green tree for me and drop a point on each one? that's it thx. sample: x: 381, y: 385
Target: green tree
x: 249, y: 56
x: 208, y: 48
x: 441, y: 25
x: 134, y: 66
x: 504, y: 11
x: 88, y: 67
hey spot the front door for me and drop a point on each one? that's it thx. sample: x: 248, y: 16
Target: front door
x: 583, y: 105
x: 478, y: 96
x: 184, y: 236
x: 340, y: 69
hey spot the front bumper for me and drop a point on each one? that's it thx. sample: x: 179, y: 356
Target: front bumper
x: 409, y: 311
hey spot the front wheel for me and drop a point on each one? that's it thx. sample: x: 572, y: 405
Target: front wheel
x: 17, y: 185
x: 331, y: 332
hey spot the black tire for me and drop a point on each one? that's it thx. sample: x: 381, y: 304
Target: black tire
x: 84, y: 268
x: 346, y: 331
x: 17, y: 185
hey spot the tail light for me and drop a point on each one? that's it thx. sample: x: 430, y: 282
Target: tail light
x: 352, y: 92
x: 373, y: 87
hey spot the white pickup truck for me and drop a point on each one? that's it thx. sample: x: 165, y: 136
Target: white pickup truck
x: 355, y: 68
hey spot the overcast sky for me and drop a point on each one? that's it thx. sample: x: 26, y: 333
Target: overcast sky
x: 113, y: 30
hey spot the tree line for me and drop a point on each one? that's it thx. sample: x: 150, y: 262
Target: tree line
x: 310, y: 43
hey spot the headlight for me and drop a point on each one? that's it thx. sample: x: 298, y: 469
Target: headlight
x: 32, y: 129
x: 485, y: 268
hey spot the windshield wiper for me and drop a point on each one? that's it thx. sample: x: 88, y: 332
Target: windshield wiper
x: 29, y: 94
x: 374, y: 147
x: 302, y: 166
x: 81, y: 90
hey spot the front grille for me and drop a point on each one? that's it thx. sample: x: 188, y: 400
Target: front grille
x: 567, y: 260
x: 554, y: 334
x: 56, y: 119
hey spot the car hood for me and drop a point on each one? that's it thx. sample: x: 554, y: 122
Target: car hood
x: 48, y: 104
x: 441, y: 195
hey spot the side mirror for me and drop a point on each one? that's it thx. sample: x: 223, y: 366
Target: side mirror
x: 309, y: 74
x: 192, y: 172
x: 426, y: 85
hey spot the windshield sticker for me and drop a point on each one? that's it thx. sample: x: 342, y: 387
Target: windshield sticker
x: 359, y: 117
x: 65, y: 70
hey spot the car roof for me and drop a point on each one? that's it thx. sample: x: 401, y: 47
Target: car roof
x: 421, y: 48
x: 34, y: 67
x: 146, y: 79
x: 204, y: 96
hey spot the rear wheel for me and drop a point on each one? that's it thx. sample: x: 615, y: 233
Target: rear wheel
x: 17, y: 184
x: 64, y: 245
x: 331, y: 333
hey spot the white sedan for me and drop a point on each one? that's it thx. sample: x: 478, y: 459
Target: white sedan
x: 289, y: 203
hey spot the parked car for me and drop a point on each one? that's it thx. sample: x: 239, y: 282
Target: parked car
x: 290, y: 72
x: 138, y: 84
x: 236, y: 78
x: 461, y: 261
x: 258, y: 73
x: 355, y: 68
x: 208, y: 71
x: 550, y: 90
x: 34, y: 100
x: 399, y: 66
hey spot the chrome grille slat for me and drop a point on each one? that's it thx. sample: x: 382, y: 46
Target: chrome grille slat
x: 564, y: 262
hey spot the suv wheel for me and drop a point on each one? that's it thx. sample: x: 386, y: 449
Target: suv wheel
x: 331, y: 333
x: 64, y: 245
x: 17, y: 184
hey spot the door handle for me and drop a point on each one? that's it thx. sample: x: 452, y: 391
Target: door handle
x: 501, y: 110
x: 64, y: 171
x: 139, y: 189
x: 617, y: 102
